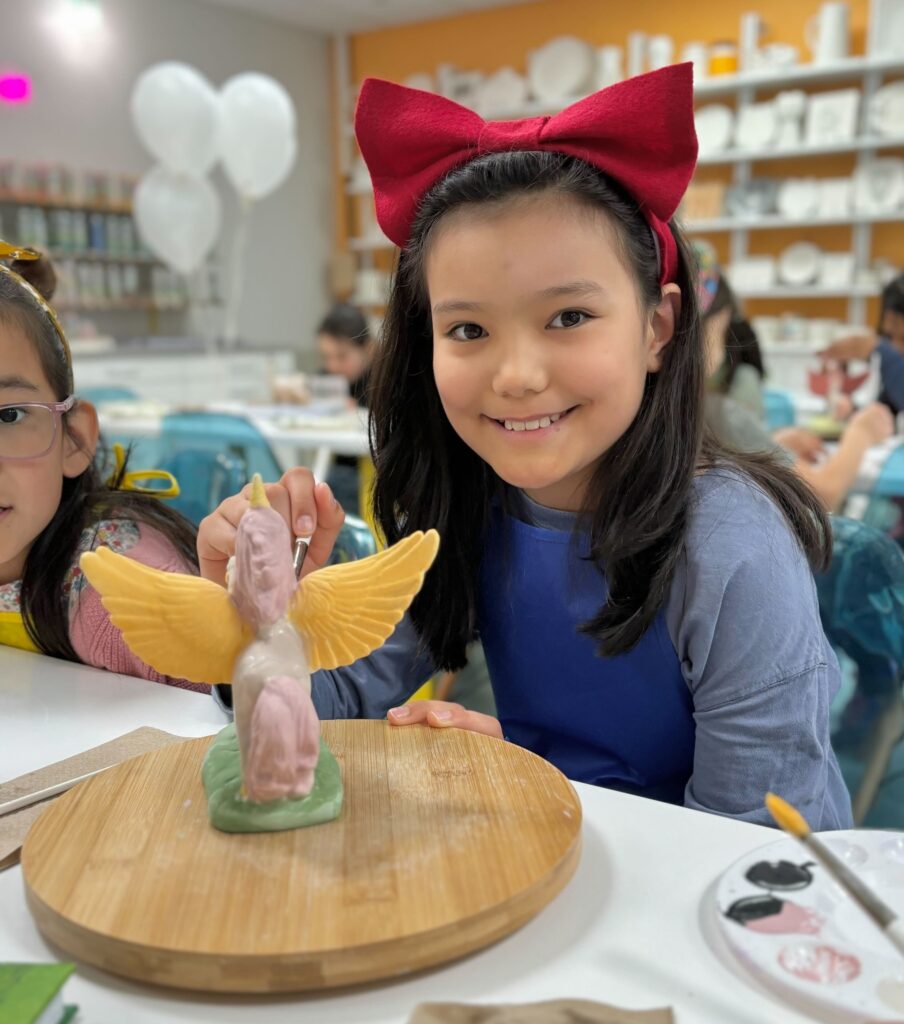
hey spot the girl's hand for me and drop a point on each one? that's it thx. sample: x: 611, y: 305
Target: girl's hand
x: 441, y: 714
x: 309, y: 509
x: 875, y: 423
x: 803, y: 443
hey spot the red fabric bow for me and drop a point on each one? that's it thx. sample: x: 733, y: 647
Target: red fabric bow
x: 639, y: 132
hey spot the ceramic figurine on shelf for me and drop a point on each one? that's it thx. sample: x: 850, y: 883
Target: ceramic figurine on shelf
x: 266, y: 633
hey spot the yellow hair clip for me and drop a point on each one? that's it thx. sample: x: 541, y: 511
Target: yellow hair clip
x: 14, y: 252
x: 129, y: 481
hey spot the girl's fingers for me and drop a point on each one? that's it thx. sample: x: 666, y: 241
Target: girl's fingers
x: 330, y: 517
x: 442, y: 714
x: 299, y: 486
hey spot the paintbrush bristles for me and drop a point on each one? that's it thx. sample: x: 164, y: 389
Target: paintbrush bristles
x: 787, y: 817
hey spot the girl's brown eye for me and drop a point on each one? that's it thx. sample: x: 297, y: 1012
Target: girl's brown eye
x: 467, y: 332
x: 569, y: 318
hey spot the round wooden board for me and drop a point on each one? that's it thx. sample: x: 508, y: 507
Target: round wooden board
x: 447, y: 841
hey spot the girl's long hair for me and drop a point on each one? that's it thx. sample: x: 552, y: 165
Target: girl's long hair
x: 86, y: 499
x: 637, y: 504
x: 741, y: 343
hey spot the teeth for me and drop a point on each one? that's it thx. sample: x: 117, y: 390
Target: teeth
x: 544, y: 421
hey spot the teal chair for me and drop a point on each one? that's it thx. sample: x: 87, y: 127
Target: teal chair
x: 778, y: 409
x: 220, y: 434
x: 861, y: 604
x: 885, y: 510
x: 205, y: 479
x: 102, y: 394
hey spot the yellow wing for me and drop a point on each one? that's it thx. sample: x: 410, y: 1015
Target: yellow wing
x: 346, y: 611
x: 180, y: 625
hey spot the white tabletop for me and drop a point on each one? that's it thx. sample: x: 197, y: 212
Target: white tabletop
x: 632, y: 927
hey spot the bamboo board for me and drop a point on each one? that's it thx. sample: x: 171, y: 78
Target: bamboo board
x: 447, y: 841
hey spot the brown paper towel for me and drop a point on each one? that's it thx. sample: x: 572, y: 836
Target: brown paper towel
x: 557, y: 1011
x: 14, y: 827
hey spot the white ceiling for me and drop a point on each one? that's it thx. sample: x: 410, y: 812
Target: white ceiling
x: 358, y: 15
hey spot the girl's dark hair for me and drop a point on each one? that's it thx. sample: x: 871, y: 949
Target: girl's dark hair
x: 892, y: 298
x: 637, y: 502
x: 86, y: 499
x: 347, y: 322
x: 741, y: 342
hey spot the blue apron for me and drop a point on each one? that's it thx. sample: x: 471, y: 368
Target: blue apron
x: 624, y: 722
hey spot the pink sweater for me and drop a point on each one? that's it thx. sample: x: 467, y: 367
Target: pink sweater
x: 95, y: 639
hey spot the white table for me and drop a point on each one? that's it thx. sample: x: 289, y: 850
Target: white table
x: 288, y: 429
x: 630, y: 928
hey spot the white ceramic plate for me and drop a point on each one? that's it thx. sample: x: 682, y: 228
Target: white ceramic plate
x: 879, y: 185
x: 886, y: 109
x: 756, y: 126
x: 888, y: 28
x: 799, y: 263
x: 794, y: 928
x: 798, y: 198
x: 714, y: 123
x: 504, y: 92
x: 561, y: 69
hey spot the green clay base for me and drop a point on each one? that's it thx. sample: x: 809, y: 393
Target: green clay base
x: 221, y: 774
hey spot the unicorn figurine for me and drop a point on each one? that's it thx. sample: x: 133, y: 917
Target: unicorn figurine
x: 265, y: 633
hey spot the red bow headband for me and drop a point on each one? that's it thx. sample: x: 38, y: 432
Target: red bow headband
x: 639, y: 132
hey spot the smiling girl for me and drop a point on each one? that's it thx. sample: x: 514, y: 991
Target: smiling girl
x: 644, y: 598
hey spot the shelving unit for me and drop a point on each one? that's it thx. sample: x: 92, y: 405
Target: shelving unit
x: 745, y: 89
x: 125, y: 279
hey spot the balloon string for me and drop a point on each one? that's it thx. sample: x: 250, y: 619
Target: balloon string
x: 234, y: 300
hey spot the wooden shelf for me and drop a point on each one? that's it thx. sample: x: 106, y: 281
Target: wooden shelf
x: 24, y: 199
x: 808, y: 292
x: 733, y: 156
x: 772, y: 221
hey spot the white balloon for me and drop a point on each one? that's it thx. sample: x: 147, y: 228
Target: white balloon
x: 177, y: 115
x: 258, y: 133
x: 178, y: 217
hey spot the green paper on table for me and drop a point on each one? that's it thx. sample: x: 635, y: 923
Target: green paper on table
x: 30, y: 994
x: 222, y: 778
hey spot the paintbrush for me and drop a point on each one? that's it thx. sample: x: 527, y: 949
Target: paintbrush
x: 301, y: 551
x: 793, y: 822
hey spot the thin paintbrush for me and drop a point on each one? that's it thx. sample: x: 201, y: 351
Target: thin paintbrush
x: 792, y: 821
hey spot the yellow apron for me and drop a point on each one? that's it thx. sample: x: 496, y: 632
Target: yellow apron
x: 12, y: 632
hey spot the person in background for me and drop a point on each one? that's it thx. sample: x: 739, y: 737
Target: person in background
x: 54, y: 504
x: 829, y: 475
x: 644, y: 596
x: 888, y: 341
x: 735, y: 363
x: 346, y: 348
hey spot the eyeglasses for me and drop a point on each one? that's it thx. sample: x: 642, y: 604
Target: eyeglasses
x: 28, y: 429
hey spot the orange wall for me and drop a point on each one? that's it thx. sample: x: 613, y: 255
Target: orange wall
x: 488, y: 40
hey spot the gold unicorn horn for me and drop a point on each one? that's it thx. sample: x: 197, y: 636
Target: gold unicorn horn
x: 258, y: 494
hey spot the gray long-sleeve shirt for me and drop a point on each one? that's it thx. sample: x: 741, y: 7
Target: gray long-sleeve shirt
x: 743, y: 617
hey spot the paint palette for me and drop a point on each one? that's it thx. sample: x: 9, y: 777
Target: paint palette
x: 796, y: 930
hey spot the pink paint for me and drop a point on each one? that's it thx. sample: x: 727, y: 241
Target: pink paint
x: 793, y: 919
x: 263, y: 581
x: 15, y: 88
x: 823, y: 964
x: 285, y: 742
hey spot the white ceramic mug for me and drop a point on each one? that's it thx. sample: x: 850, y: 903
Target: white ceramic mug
x: 750, y: 34
x: 828, y: 33
x: 637, y: 54
x: 698, y: 55
x: 660, y: 51
x: 608, y: 66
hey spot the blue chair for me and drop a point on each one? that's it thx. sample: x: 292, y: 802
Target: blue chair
x: 107, y: 394
x: 885, y: 510
x: 205, y: 479
x: 778, y: 409
x: 861, y: 604
x: 220, y: 434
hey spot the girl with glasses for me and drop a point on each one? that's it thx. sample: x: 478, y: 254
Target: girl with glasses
x: 54, y: 503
